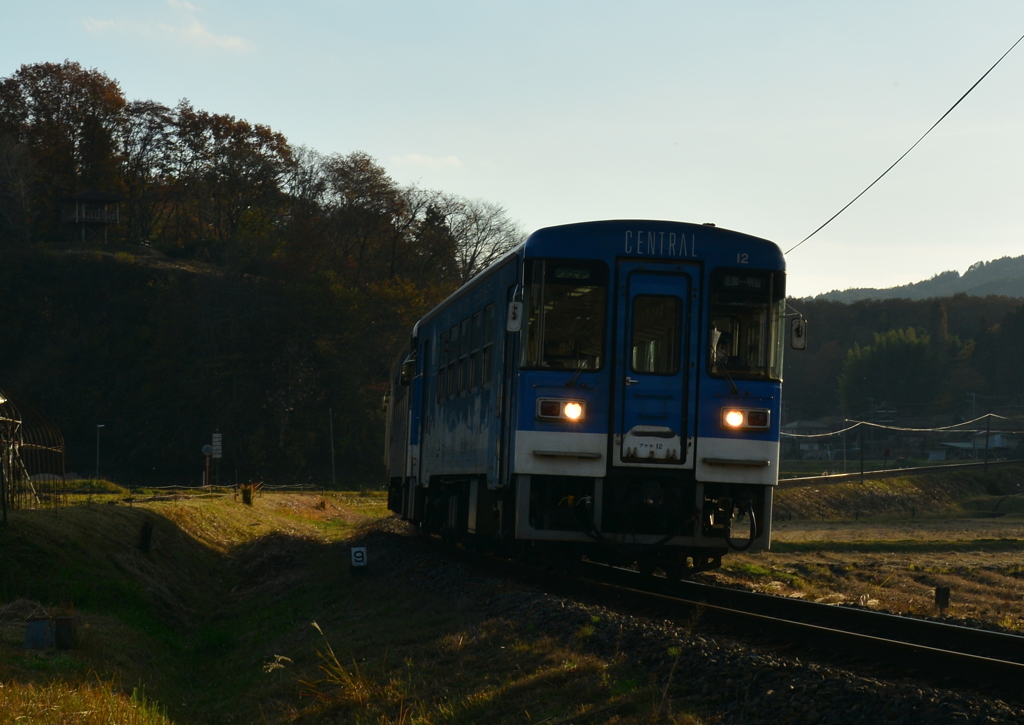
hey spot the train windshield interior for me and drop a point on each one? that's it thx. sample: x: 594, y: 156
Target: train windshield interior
x: 657, y: 334
x: 747, y: 317
x: 565, y: 302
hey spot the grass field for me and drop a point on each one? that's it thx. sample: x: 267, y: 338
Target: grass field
x: 215, y: 624
x: 887, y: 544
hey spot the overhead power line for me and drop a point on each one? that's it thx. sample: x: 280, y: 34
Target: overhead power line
x: 850, y: 203
x: 956, y: 428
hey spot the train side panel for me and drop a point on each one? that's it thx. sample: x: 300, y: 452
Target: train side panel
x: 455, y: 452
x: 396, y: 436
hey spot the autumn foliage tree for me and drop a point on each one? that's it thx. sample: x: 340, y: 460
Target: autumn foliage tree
x: 64, y: 119
x: 306, y: 273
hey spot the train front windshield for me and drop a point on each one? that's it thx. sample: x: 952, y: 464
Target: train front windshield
x: 565, y: 303
x: 747, y: 318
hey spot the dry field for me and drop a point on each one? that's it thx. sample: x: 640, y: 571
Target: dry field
x: 906, y: 537
x: 215, y: 624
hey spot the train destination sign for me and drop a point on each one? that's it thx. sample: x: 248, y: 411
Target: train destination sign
x: 662, y: 244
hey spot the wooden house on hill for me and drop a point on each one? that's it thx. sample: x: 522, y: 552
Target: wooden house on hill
x: 90, y: 212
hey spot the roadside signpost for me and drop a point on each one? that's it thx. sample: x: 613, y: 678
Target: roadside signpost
x: 359, y: 561
x: 217, y: 451
x: 207, y: 451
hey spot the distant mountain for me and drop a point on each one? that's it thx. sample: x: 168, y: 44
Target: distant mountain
x: 1003, y: 276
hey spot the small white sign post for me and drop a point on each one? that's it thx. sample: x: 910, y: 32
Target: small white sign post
x: 358, y: 565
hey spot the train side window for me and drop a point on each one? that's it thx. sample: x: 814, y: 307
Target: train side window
x: 464, y: 357
x: 425, y: 368
x: 487, y: 351
x: 476, y: 327
x: 453, y: 362
x: 442, y: 368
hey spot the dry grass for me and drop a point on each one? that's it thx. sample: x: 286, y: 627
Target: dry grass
x: 59, y: 703
x: 214, y: 621
x: 488, y: 674
x: 906, y: 537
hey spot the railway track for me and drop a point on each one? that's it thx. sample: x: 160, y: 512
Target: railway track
x: 939, y: 653
x: 942, y: 653
x: 800, y: 481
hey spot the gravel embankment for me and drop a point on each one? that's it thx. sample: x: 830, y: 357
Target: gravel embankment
x: 725, y: 679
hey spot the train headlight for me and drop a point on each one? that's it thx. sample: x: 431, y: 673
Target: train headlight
x: 561, y: 409
x: 732, y: 418
x: 746, y: 418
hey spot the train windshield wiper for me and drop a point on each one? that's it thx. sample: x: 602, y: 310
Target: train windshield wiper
x: 720, y: 365
x: 583, y: 364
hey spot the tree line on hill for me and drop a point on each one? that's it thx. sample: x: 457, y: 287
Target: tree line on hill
x: 214, y: 188
x: 948, y: 358
x: 1004, y: 276
x: 250, y: 286
x: 262, y: 290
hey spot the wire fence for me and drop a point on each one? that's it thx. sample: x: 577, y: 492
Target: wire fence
x: 31, y: 457
x: 859, y: 445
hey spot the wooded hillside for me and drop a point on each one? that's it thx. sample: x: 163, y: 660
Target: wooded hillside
x: 249, y: 286
x: 1003, y: 277
x: 950, y: 357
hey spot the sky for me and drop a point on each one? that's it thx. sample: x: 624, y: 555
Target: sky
x: 762, y: 117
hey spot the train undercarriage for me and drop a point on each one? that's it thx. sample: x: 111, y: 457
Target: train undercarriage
x: 652, y: 523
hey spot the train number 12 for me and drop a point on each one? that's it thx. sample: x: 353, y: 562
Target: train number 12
x: 742, y: 258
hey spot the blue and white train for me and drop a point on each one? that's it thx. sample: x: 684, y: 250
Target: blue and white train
x: 608, y: 389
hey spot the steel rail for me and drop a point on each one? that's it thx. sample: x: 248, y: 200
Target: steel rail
x: 800, y: 481
x: 939, y: 653
x: 952, y: 653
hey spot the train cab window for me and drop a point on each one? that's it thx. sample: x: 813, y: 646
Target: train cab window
x: 657, y: 334
x: 487, y: 350
x: 566, y: 303
x: 746, y: 327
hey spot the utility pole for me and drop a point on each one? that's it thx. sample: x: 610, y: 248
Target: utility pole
x: 871, y: 433
x: 98, y: 426
x: 330, y: 421
x: 988, y: 430
x: 861, y: 426
x: 3, y: 485
x: 844, y: 444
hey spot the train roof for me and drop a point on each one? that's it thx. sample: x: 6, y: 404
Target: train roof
x: 654, y: 239
x: 636, y: 238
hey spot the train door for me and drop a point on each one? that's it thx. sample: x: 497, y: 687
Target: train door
x: 653, y: 419
x: 422, y: 412
x: 506, y: 380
